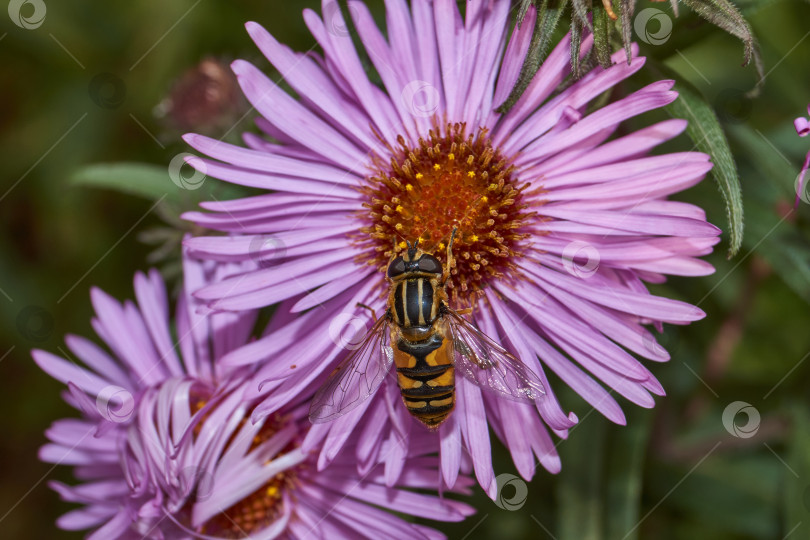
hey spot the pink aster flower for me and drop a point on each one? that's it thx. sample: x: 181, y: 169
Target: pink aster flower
x: 561, y: 218
x: 802, y: 126
x: 165, y: 448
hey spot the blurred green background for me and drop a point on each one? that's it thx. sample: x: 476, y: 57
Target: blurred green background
x: 85, y: 87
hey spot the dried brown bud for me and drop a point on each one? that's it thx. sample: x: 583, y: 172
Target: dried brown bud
x: 205, y: 99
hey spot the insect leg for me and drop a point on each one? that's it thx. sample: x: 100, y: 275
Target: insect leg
x: 373, y: 315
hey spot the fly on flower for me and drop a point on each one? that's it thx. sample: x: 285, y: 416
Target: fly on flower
x: 431, y: 341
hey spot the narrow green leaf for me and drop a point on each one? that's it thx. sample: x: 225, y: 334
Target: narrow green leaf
x: 760, y: 151
x: 576, y: 44
x: 705, y: 131
x: 624, y: 473
x: 725, y: 15
x: 524, y: 8
x: 601, y: 37
x: 140, y: 179
x: 730, y: 496
x: 547, y: 18
x: 178, y: 189
x: 796, y: 500
x: 580, y: 489
x: 787, y: 249
x: 581, y: 9
x: 626, y: 16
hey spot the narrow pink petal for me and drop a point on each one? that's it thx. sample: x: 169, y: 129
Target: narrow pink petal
x: 635, y: 144
x: 513, y: 58
x: 269, y: 277
x: 268, y: 163
x: 278, y: 182
x: 291, y: 117
x: 311, y: 83
x: 450, y: 453
x: 643, y: 305
x: 449, y: 35
x: 475, y: 431
x: 578, y: 380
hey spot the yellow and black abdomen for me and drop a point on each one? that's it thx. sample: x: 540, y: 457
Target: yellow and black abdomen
x: 426, y: 377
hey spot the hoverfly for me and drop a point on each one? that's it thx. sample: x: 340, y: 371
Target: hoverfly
x: 428, y: 341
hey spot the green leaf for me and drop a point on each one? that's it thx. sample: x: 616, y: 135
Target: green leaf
x: 626, y: 14
x: 624, y: 474
x: 796, y: 499
x: 705, y: 131
x: 154, y: 182
x: 601, y: 37
x: 547, y: 18
x: 775, y: 238
x: 731, y: 495
x: 576, y: 43
x: 580, y: 13
x: 580, y: 488
x: 151, y: 182
x: 784, y: 247
x: 725, y: 15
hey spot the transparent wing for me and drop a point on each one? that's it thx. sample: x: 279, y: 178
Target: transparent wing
x: 356, y: 378
x: 488, y: 365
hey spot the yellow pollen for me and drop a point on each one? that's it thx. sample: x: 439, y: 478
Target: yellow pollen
x: 261, y: 508
x: 464, y: 183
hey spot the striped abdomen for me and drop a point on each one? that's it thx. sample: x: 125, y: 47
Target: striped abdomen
x: 415, y: 303
x: 425, y: 374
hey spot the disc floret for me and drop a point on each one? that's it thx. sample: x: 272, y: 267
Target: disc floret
x: 448, y: 179
x: 262, y: 507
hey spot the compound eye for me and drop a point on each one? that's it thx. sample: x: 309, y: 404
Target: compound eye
x: 396, y: 267
x: 429, y: 263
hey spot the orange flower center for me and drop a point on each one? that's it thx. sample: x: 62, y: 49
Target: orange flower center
x: 262, y: 507
x: 448, y: 180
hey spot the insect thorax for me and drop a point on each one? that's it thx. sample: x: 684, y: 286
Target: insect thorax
x: 415, y: 302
